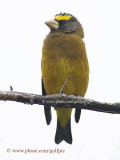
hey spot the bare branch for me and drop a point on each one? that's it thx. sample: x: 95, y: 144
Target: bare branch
x: 60, y: 100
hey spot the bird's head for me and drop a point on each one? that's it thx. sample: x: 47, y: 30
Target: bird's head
x: 65, y: 23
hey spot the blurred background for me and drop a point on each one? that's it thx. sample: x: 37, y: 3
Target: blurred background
x: 22, y: 31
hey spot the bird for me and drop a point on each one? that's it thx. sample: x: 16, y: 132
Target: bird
x: 63, y: 55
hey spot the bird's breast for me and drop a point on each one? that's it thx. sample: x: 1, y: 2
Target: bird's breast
x: 63, y: 56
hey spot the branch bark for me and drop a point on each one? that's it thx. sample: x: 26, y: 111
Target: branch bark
x: 60, y: 100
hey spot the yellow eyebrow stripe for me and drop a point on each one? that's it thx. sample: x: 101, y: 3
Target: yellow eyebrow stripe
x: 61, y: 17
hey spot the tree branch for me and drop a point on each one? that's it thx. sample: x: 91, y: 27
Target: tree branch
x: 60, y: 100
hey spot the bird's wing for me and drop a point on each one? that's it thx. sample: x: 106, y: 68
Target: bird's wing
x: 77, y: 115
x: 47, y: 109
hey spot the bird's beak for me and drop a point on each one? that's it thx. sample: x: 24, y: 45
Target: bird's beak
x: 52, y: 24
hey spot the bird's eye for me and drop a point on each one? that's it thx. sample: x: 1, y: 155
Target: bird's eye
x: 62, y: 21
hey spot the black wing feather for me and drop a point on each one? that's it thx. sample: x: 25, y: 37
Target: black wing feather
x: 47, y: 109
x: 77, y: 115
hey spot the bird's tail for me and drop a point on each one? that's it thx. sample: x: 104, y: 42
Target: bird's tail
x: 63, y: 133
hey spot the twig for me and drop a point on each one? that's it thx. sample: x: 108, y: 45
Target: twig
x: 61, y: 91
x: 58, y: 100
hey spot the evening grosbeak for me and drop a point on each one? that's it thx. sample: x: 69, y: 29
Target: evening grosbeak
x: 64, y: 54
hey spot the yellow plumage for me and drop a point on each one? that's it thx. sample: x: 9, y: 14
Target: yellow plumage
x: 64, y: 54
x: 60, y: 60
x: 65, y: 17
